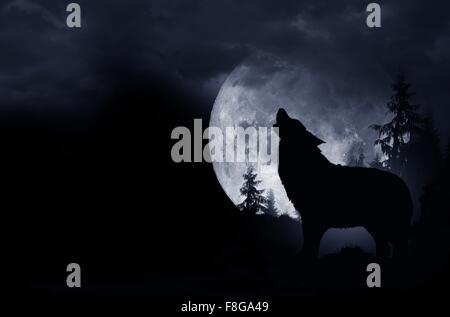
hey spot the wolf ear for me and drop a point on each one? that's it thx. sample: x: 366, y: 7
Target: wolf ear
x: 314, y: 140
x: 318, y: 141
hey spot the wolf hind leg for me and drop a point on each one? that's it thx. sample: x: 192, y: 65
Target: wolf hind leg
x: 401, y: 247
x: 383, y: 248
x: 311, y: 243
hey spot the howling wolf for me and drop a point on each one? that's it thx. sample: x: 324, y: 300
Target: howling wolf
x: 335, y: 196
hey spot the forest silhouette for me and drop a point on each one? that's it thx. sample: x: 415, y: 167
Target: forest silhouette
x: 400, y: 197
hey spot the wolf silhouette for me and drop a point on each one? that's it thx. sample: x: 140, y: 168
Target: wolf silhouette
x: 335, y: 196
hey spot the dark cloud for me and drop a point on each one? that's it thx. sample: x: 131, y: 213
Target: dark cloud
x: 194, y: 44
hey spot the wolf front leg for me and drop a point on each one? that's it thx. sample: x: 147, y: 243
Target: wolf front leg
x: 311, y: 241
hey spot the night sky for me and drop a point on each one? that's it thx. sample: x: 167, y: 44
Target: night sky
x: 86, y: 116
x: 194, y: 45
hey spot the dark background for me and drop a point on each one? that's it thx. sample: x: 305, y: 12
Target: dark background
x: 85, y: 122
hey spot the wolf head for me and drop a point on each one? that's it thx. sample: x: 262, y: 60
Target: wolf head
x: 294, y: 130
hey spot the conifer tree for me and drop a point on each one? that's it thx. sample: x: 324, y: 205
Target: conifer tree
x: 394, y: 136
x: 254, y: 201
x: 271, y: 209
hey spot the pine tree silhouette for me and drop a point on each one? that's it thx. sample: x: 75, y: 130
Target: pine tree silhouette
x: 361, y: 159
x: 355, y: 155
x: 254, y: 200
x: 424, y: 155
x: 350, y: 159
x: 394, y: 136
x: 271, y: 209
x: 376, y: 163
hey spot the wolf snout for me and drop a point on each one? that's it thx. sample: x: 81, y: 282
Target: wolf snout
x: 281, y: 117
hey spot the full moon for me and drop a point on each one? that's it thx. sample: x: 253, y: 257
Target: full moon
x: 251, y: 96
x: 237, y: 106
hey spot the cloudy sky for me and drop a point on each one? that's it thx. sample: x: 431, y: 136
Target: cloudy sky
x: 195, y: 44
